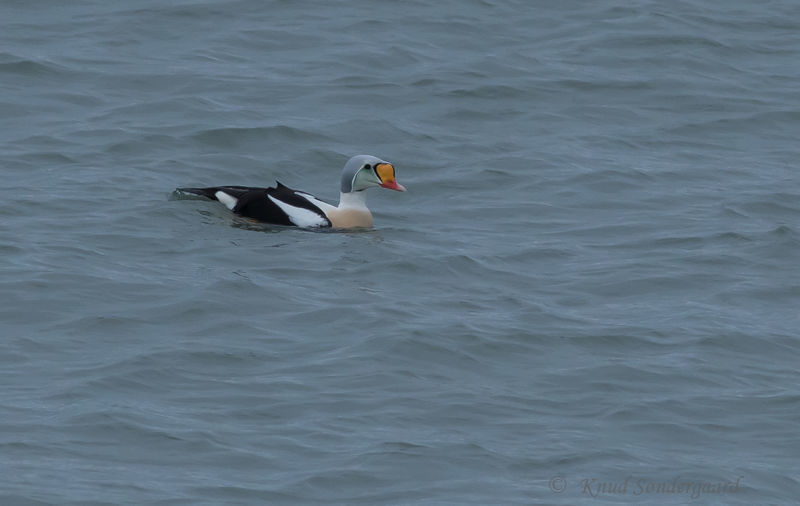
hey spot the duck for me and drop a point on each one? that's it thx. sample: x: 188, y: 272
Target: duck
x: 281, y: 205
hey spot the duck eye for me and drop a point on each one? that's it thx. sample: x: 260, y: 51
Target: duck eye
x: 368, y: 167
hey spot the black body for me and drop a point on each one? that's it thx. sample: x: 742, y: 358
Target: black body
x: 255, y: 202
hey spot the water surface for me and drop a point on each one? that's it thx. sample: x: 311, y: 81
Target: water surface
x: 593, y: 275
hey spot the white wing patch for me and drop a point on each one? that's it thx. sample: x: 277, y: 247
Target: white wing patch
x: 229, y: 201
x: 299, y: 216
x: 326, y: 208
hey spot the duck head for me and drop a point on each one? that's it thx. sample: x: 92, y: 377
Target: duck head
x: 365, y: 171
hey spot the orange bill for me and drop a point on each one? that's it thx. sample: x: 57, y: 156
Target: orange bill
x: 385, y: 172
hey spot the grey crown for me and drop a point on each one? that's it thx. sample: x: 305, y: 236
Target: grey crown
x: 352, y: 167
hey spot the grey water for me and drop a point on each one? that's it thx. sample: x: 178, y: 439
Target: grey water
x: 589, y: 293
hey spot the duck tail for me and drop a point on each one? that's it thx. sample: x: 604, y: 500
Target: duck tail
x: 203, y: 192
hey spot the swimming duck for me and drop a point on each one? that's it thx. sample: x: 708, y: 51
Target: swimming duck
x: 283, y: 206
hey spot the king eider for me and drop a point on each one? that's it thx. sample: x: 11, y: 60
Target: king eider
x: 283, y: 206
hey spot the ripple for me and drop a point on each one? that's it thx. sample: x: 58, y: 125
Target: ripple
x: 240, y: 137
x: 31, y: 68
